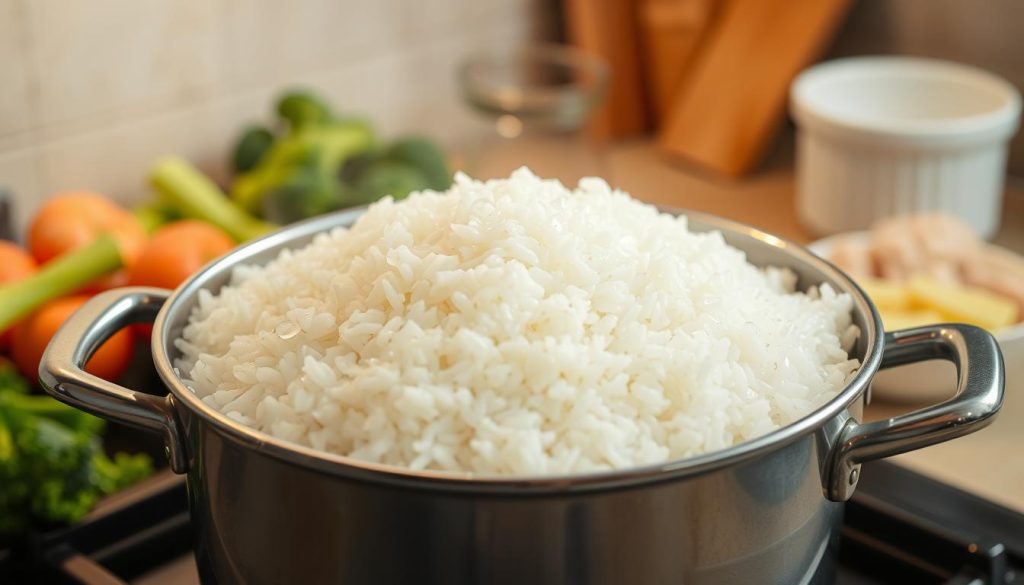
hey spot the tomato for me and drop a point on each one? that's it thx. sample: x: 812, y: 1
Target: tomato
x: 32, y: 335
x: 115, y: 279
x: 15, y: 264
x: 75, y: 218
x: 176, y: 251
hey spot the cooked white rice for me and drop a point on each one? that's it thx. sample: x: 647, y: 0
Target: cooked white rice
x: 517, y: 327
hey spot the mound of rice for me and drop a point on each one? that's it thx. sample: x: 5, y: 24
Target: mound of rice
x: 516, y: 327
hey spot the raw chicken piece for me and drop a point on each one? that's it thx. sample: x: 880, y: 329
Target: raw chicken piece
x: 894, y: 249
x: 944, y: 236
x: 1000, y: 271
x: 943, y: 270
x: 853, y: 256
x: 935, y: 244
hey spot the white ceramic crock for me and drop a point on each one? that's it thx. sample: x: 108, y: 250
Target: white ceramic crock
x: 879, y: 136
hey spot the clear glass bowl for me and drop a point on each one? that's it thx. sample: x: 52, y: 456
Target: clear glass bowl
x: 532, y: 104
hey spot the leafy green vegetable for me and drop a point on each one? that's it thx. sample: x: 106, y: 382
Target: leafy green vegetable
x: 300, y: 108
x: 321, y: 162
x: 252, y: 145
x: 194, y: 195
x: 303, y: 167
x: 424, y: 156
x: 52, y: 465
x: 307, y: 190
x: 387, y: 178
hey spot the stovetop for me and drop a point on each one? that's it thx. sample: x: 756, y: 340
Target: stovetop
x: 900, y: 527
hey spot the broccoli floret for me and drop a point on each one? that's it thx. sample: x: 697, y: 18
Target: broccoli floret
x: 252, y: 145
x: 385, y: 178
x: 320, y: 162
x: 423, y: 155
x: 308, y: 190
x: 300, y: 108
x: 300, y: 171
x: 52, y: 465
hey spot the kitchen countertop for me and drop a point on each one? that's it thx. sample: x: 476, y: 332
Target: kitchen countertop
x: 988, y: 462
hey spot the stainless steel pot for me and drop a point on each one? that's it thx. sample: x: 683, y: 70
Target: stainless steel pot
x: 765, y: 511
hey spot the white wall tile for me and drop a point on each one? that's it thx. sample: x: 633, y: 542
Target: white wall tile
x: 116, y: 161
x: 413, y: 88
x: 226, y: 118
x: 271, y: 39
x: 123, y: 56
x: 444, y: 114
x: 455, y: 18
x: 113, y: 84
x: 445, y: 14
x: 15, y: 109
x: 18, y: 140
x: 18, y: 176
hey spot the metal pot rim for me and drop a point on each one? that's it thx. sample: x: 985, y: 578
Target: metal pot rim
x: 174, y: 314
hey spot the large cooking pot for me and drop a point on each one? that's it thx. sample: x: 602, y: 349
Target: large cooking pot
x: 765, y: 511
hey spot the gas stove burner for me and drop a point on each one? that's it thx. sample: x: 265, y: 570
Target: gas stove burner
x: 900, y: 527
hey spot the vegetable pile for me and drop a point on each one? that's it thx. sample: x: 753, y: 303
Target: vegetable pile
x: 52, y: 466
x: 83, y: 243
x: 319, y: 162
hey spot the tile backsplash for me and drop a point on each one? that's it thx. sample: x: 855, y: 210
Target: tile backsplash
x: 93, y: 92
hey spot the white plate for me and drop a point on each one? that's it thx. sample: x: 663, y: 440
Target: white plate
x: 930, y: 381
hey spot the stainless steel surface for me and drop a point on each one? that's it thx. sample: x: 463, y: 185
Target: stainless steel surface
x: 980, y: 381
x: 261, y: 520
x: 61, y: 369
x: 266, y: 511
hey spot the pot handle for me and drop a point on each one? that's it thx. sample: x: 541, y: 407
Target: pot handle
x: 62, y: 375
x: 979, y: 394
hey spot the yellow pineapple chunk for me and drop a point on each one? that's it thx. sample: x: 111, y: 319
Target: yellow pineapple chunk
x: 894, y: 320
x: 886, y: 294
x: 963, y: 303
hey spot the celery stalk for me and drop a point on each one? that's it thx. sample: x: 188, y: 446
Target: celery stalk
x: 196, y: 196
x: 60, y: 276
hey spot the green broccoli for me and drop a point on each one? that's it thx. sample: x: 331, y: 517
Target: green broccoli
x: 52, y: 465
x: 298, y: 175
x: 385, y: 178
x: 300, y: 108
x: 308, y: 190
x: 320, y: 162
x: 423, y: 155
x: 254, y: 142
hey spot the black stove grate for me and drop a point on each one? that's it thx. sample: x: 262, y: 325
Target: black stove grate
x: 900, y: 528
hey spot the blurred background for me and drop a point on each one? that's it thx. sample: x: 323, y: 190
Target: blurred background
x: 94, y: 92
x: 811, y: 119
